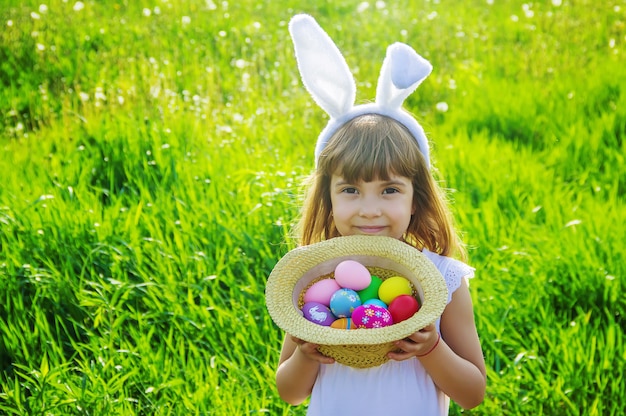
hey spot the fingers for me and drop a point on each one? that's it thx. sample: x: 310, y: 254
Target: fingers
x: 420, y: 337
x: 321, y: 358
x: 399, y: 355
x: 311, y: 351
x: 416, y: 344
x: 297, y: 341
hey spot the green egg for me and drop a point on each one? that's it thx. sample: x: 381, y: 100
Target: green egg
x: 371, y: 291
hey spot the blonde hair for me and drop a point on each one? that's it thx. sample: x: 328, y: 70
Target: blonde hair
x: 371, y: 147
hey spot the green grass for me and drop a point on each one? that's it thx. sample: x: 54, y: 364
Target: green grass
x: 152, y: 155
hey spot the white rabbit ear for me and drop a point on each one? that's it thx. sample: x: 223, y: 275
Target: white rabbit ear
x: 402, y: 71
x: 324, y: 70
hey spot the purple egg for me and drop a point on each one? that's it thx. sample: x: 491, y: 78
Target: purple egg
x: 318, y: 313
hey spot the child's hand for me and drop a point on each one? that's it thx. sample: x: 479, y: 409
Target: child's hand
x: 420, y: 343
x: 311, y: 352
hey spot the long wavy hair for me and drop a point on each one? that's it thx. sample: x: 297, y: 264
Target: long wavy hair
x: 373, y: 147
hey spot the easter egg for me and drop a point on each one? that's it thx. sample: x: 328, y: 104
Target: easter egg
x: 394, y: 287
x: 321, y: 291
x: 343, y: 323
x: 371, y: 291
x: 376, y: 302
x: 318, y: 313
x: 371, y: 316
x: 343, y: 302
x: 353, y: 275
x: 403, y: 307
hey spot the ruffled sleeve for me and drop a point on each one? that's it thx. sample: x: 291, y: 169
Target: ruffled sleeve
x: 452, y: 270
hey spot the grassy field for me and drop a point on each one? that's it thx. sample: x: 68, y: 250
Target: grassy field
x: 151, y: 156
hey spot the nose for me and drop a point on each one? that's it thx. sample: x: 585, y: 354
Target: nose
x: 369, y: 209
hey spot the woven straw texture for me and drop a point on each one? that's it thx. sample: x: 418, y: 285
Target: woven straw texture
x: 384, y: 257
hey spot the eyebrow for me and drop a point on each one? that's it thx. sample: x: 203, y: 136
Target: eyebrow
x: 396, y: 183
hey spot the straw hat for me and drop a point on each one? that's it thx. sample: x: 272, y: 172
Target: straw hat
x: 383, y: 256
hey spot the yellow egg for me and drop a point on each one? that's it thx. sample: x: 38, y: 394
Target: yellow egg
x: 394, y: 287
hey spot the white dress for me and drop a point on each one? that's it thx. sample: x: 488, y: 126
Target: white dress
x: 395, y: 387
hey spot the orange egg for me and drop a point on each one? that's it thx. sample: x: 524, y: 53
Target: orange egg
x: 342, y: 323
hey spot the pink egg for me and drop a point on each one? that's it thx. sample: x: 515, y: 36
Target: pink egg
x: 353, y: 275
x: 371, y: 316
x: 321, y: 291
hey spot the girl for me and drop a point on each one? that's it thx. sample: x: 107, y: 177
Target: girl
x: 372, y: 177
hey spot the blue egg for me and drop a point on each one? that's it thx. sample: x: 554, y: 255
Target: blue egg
x: 376, y: 302
x: 343, y: 302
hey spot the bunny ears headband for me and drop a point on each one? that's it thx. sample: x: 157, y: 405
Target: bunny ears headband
x: 326, y: 76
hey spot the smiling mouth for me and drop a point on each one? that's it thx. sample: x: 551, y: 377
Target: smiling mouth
x: 371, y: 230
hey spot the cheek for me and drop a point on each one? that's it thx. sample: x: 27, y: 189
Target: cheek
x: 340, y: 205
x: 406, y: 214
x: 342, y: 215
x: 339, y: 212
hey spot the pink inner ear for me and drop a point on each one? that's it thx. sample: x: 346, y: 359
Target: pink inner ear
x: 407, y: 67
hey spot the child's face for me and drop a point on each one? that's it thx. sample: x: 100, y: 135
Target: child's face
x: 372, y: 208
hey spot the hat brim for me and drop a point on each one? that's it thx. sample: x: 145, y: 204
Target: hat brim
x: 299, y: 267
